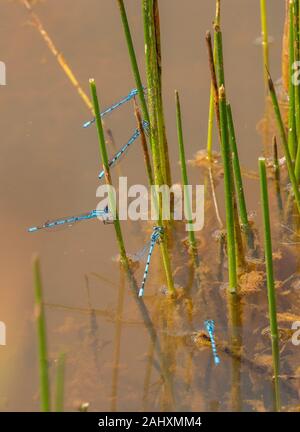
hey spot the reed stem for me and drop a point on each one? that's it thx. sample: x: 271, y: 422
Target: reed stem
x: 58, y: 55
x: 144, y: 143
x: 60, y: 383
x: 42, y: 338
x: 160, y: 109
x: 212, y: 97
x: 289, y: 163
x: 296, y: 60
x: 104, y: 158
x: 277, y: 177
x: 153, y: 69
x: 134, y: 64
x: 292, y: 135
x: 184, y: 175
x: 228, y: 183
x: 219, y: 61
x: 238, y: 180
x: 265, y: 39
x: 270, y: 275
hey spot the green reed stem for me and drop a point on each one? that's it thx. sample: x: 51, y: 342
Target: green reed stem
x: 184, y: 175
x: 134, y: 64
x: 157, y: 134
x: 265, y: 38
x: 104, y: 158
x: 212, y: 96
x: 284, y: 140
x: 292, y: 135
x: 277, y: 177
x: 42, y: 338
x: 269, y: 269
x: 210, y: 124
x: 229, y: 192
x: 296, y: 59
x: 153, y: 69
x: 160, y: 109
x: 60, y: 382
x: 144, y: 143
x: 213, y: 75
x: 219, y: 57
x: 238, y: 180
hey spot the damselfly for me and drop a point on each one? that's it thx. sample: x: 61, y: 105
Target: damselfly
x: 103, y: 214
x: 119, y: 154
x: 210, y: 327
x: 127, y: 98
x: 156, y: 235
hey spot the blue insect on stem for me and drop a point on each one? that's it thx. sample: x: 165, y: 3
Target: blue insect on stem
x: 156, y: 235
x: 127, y: 98
x: 118, y: 104
x: 71, y: 220
x: 210, y: 327
x: 123, y: 149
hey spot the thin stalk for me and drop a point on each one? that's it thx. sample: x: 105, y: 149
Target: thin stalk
x: 265, y: 39
x: 212, y: 98
x: 214, y: 82
x: 219, y: 57
x: 134, y: 64
x: 144, y: 143
x: 277, y: 177
x: 184, y: 175
x: 238, y: 180
x: 42, y: 337
x: 289, y: 163
x: 214, y: 86
x: 270, y: 275
x: 292, y: 135
x: 230, y: 225
x: 161, y: 118
x: 60, y: 381
x: 285, y: 56
x: 58, y: 55
x: 104, y: 158
x: 297, y: 59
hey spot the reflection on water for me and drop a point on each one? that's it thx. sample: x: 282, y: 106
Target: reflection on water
x: 123, y: 354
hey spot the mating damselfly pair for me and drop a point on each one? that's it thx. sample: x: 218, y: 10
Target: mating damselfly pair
x: 134, y: 136
x: 101, y: 214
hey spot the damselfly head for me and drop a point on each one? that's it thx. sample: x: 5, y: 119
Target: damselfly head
x: 158, y: 229
x: 209, y: 325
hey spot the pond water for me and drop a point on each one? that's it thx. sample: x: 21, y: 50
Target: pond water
x: 49, y: 167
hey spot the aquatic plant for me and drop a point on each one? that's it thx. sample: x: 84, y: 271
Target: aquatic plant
x: 270, y: 275
x: 42, y: 337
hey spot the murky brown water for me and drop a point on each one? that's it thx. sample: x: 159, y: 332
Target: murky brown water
x: 49, y: 167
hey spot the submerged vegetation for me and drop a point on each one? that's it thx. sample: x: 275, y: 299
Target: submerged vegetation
x: 196, y: 312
